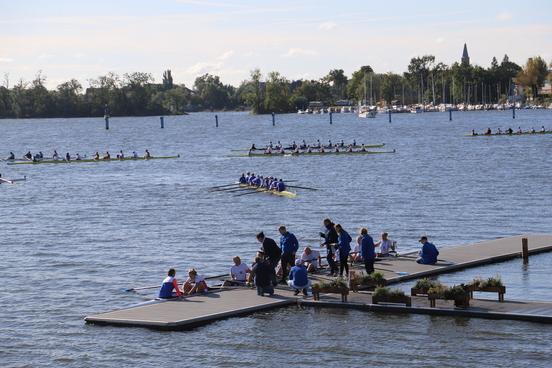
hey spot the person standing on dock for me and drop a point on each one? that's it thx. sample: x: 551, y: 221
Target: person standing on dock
x: 264, y: 274
x: 330, y: 240
x: 367, y: 250
x: 270, y: 249
x: 428, y: 254
x: 289, y: 246
x: 169, y: 284
x: 344, y: 246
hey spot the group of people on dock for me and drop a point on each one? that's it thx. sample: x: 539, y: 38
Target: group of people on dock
x: 77, y: 157
x: 510, y: 131
x: 259, y: 181
x: 278, y: 263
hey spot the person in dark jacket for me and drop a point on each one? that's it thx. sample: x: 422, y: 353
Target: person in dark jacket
x: 270, y: 249
x: 289, y: 246
x: 264, y: 274
x: 367, y: 250
x: 428, y: 254
x: 330, y: 241
x: 344, y: 246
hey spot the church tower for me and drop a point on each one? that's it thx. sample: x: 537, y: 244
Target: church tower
x: 465, y: 56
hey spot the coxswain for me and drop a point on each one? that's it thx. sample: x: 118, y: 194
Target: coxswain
x: 67, y: 157
x: 97, y: 156
x: 242, y: 179
x: 510, y: 131
x: 28, y: 156
x: 121, y: 155
x: 11, y: 156
x: 55, y: 156
x: 147, y: 155
x: 543, y: 130
x: 280, y: 186
x: 488, y: 132
x: 134, y: 154
x: 107, y: 156
x: 78, y: 157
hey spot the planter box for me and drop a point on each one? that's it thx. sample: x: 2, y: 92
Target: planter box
x: 398, y: 300
x: 414, y: 291
x: 501, y: 290
x: 343, y: 291
x: 355, y: 285
x: 460, y: 303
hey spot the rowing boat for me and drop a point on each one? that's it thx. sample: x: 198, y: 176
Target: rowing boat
x: 90, y: 160
x: 314, y: 153
x: 509, y: 135
x: 379, y: 145
x: 284, y: 193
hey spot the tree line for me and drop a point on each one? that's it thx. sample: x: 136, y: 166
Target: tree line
x: 133, y: 94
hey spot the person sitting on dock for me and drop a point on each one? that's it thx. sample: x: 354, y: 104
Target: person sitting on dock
x: 311, y: 259
x: 169, y: 284
x: 367, y: 251
x: 264, y: 276
x: 270, y: 249
x: 428, y: 254
x: 298, y: 278
x: 194, y: 284
x: 238, y: 273
x: 147, y: 155
x: 385, y: 245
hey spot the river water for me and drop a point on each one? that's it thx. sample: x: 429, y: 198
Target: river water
x: 75, y: 236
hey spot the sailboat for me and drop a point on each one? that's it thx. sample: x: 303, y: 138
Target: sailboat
x: 365, y: 111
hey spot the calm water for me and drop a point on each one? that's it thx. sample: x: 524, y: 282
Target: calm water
x: 74, y: 236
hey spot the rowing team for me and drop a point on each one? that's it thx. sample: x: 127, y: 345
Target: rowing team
x: 309, y: 149
x: 303, y: 145
x: 56, y: 156
x: 510, y: 131
x: 268, y: 183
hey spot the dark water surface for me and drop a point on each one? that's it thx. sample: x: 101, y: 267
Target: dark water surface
x: 75, y: 236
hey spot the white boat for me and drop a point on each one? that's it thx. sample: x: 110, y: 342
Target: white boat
x: 366, y: 112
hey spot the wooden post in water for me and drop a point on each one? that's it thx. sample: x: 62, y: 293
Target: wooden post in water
x: 514, y: 111
x: 106, y: 116
x: 162, y: 119
x: 389, y: 112
x: 273, y: 119
x: 450, y: 114
x: 525, y: 250
x: 331, y: 113
x: 216, y: 121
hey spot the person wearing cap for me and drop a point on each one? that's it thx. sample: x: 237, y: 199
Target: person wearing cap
x: 428, y: 254
x: 289, y: 246
x: 194, y: 283
x: 298, y: 278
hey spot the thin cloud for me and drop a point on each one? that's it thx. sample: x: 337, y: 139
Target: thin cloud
x: 204, y: 67
x: 292, y: 52
x: 5, y: 60
x: 226, y: 55
x: 327, y: 26
x: 504, y: 16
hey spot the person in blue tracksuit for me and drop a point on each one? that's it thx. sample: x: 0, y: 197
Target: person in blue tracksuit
x: 428, y: 254
x: 298, y: 278
x: 243, y: 180
x: 281, y: 186
x: 289, y: 246
x: 344, y: 246
x: 367, y: 251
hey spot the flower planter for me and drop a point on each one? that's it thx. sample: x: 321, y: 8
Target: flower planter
x: 501, y: 290
x: 414, y: 291
x: 459, y: 302
x: 405, y: 299
x: 333, y: 290
x: 356, y: 285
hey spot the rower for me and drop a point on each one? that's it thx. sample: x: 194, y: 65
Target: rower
x: 354, y: 142
x: 543, y: 130
x: 296, y: 149
x: 499, y: 131
x: 28, y: 155
x: 473, y: 132
x: 78, y: 157
x: 279, y: 145
x: 270, y: 145
x: 342, y: 144
x: 282, y: 151
x: 253, y: 148
x: 67, y: 157
x: 488, y: 132
x: 533, y: 131
x: 36, y: 158
x: 280, y: 186
x: 242, y: 179
x: 269, y: 150
x: 147, y: 155
x: 321, y: 149
x: 294, y: 145
x: 121, y: 155
x: 41, y: 155
x: 350, y: 149
x: 519, y: 130
x: 510, y: 131
x: 309, y: 149
x: 11, y: 156
x: 318, y: 143
x: 363, y: 148
x: 330, y: 143
x: 97, y: 156
x: 134, y: 154
x: 107, y: 156
x: 336, y: 149
x: 55, y: 156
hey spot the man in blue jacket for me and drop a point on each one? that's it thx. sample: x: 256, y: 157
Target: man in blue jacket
x: 298, y: 278
x: 367, y: 250
x: 428, y: 254
x: 344, y: 246
x: 289, y: 246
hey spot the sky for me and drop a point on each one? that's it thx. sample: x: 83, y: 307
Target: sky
x: 67, y: 39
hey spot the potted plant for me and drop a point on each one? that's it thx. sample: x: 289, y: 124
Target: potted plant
x: 336, y: 286
x: 422, y: 286
x: 460, y: 294
x: 436, y: 292
x: 385, y: 295
x: 370, y: 281
x: 491, y: 285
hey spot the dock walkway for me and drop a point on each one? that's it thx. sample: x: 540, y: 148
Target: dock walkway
x: 197, y: 310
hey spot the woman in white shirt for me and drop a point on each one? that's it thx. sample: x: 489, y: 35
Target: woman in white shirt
x: 194, y: 283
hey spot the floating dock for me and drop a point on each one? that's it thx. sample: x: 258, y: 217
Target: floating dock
x: 198, y: 310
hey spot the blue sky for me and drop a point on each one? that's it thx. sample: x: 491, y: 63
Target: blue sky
x: 301, y: 39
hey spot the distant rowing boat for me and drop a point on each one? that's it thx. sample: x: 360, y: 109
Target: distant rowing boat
x: 314, y: 153
x: 284, y: 193
x: 508, y: 134
x: 379, y: 145
x: 90, y: 160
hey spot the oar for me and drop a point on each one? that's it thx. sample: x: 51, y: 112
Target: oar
x: 253, y: 192
x: 223, y: 186
x: 298, y: 187
x: 157, y: 286
x: 238, y: 189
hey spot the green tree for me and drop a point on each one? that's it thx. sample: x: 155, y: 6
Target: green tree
x: 356, y: 88
x: 211, y: 92
x: 69, y: 98
x: 533, y: 75
x: 277, y: 94
x: 337, y: 79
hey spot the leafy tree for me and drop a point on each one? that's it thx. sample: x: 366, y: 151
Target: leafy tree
x: 212, y: 93
x: 356, y: 88
x: 533, y: 75
x: 277, y: 95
